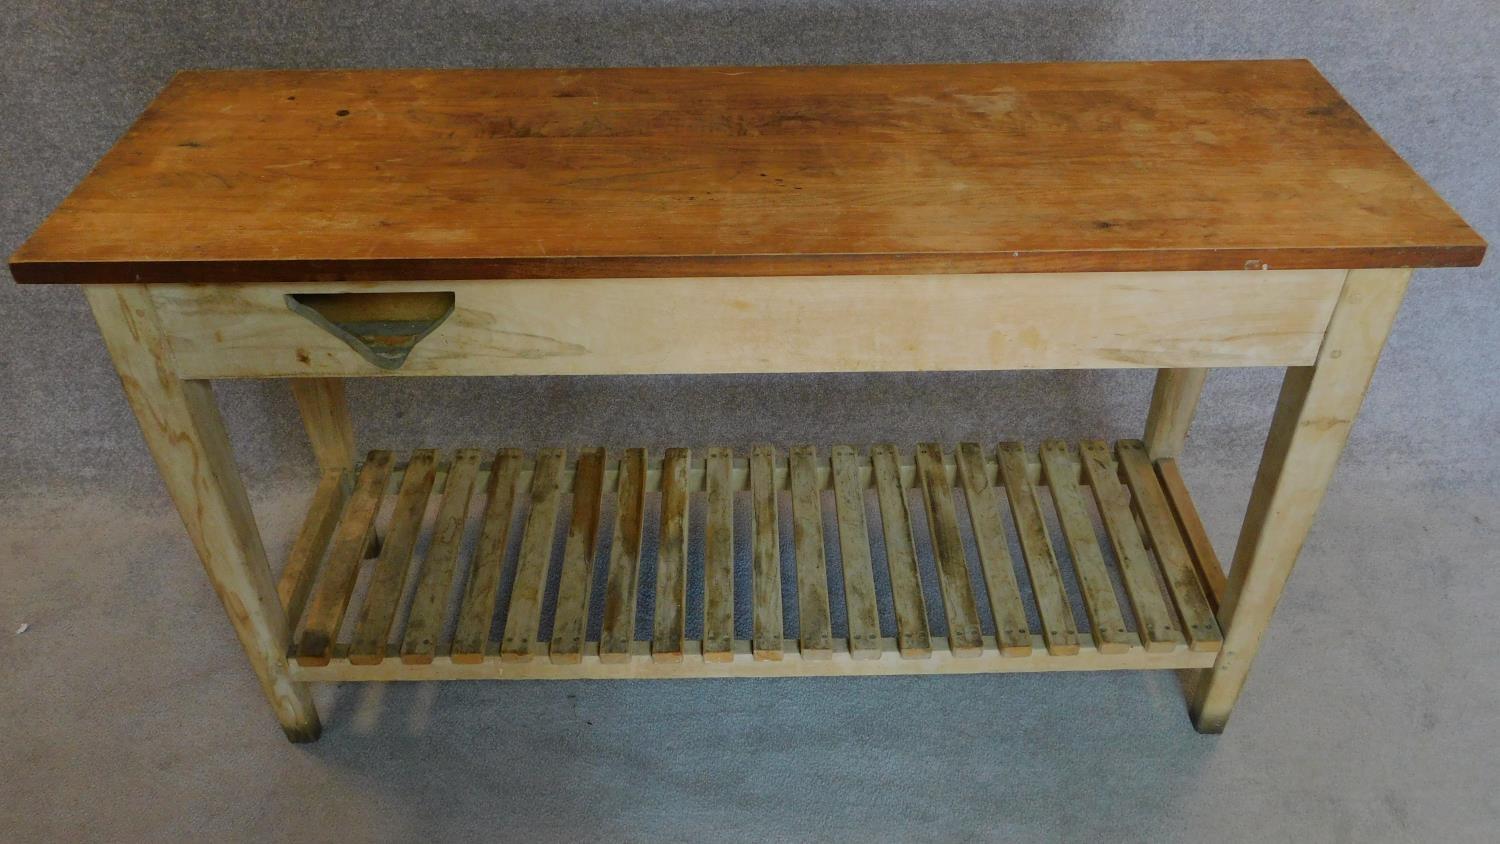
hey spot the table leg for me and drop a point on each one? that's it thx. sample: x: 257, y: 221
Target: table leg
x: 186, y: 436
x: 1174, y: 400
x: 1317, y: 406
x: 325, y: 414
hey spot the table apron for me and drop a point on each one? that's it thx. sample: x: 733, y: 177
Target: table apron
x: 776, y: 324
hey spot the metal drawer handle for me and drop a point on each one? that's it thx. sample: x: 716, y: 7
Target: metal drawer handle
x: 382, y: 327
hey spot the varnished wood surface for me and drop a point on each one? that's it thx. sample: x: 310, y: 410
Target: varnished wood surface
x: 237, y: 176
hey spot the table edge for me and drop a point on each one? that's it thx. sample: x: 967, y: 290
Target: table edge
x: 293, y: 271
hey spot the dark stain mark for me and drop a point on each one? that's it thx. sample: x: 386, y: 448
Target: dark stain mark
x: 343, y: 112
x: 509, y: 128
x: 1103, y: 224
x: 303, y: 357
x: 291, y: 98
x: 191, y: 145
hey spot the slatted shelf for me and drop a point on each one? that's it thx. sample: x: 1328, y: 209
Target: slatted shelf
x: 477, y: 601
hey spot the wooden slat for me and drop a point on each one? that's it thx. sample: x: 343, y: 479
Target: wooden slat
x: 570, y: 623
x: 325, y: 613
x: 805, y: 479
x: 1154, y: 622
x: 429, y: 606
x: 671, y: 566
x: 525, y: 611
x: 1106, y: 621
x: 1012, y: 630
x: 765, y: 555
x: 1210, y: 570
x: 854, y: 554
x: 1058, y: 628
x: 477, y: 611
x: 718, y: 557
x: 306, y: 556
x: 815, y: 627
x: 389, y: 581
x: 912, y: 638
x: 1198, y: 623
x: 965, y: 637
x: 640, y: 666
x: 618, y: 631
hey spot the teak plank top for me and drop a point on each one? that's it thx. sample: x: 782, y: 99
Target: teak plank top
x: 261, y: 175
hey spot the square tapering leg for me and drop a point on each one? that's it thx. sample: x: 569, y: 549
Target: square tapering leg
x: 185, y: 433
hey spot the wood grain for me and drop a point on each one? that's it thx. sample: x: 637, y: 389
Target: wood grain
x: 850, y: 480
x: 325, y: 414
x: 330, y: 599
x: 672, y: 558
x: 617, y: 633
x: 290, y: 176
x: 389, y: 579
x: 913, y: 639
x: 965, y: 638
x: 615, y: 326
x: 306, y: 556
x: 424, y: 623
x: 1059, y: 630
x: 570, y: 618
x: 1176, y: 563
x: 532, y: 566
x: 1012, y: 630
x: 814, y: 624
x: 718, y: 557
x: 1153, y: 620
x: 765, y: 555
x: 185, y: 432
x: 1314, y: 412
x: 1205, y: 559
x: 1174, y: 401
x: 639, y: 666
x: 1106, y: 622
x: 476, y: 613
x: 862, y: 606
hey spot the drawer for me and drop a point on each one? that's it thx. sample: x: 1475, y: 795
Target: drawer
x: 765, y: 324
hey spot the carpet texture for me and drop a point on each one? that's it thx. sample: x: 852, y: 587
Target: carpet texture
x: 126, y: 709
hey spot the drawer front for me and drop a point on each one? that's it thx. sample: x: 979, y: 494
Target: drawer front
x: 775, y: 324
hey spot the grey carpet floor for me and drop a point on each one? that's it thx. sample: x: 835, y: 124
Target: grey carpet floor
x: 128, y: 714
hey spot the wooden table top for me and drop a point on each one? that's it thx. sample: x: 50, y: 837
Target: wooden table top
x: 263, y: 175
